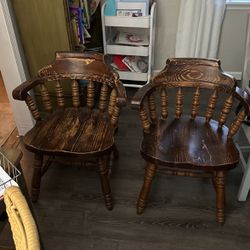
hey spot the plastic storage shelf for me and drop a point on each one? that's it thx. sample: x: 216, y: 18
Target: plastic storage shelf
x: 144, y: 22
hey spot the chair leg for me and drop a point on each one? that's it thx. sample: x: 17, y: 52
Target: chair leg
x: 103, y: 172
x: 150, y: 171
x: 220, y: 196
x: 36, y: 179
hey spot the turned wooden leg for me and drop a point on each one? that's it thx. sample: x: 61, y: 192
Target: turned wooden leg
x: 220, y: 196
x: 150, y: 171
x: 36, y: 179
x: 103, y: 172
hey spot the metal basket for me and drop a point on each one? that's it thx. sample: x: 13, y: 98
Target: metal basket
x: 10, y: 169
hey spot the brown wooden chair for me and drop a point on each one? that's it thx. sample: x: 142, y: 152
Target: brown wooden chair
x: 188, y: 144
x: 80, y: 124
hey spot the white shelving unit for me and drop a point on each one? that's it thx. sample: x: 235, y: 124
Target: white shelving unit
x: 144, y: 24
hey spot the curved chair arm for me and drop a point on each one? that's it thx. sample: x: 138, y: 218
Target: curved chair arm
x: 244, y: 97
x: 21, y: 91
x: 121, y: 98
x: 140, y: 95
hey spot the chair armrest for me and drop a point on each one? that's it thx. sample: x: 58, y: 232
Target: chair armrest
x: 121, y: 98
x: 243, y: 96
x: 21, y: 91
x: 140, y: 95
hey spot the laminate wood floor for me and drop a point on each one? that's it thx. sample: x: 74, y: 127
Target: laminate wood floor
x: 180, y: 213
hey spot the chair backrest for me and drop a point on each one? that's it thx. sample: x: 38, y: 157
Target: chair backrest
x: 89, y: 78
x: 198, y: 74
x: 23, y: 226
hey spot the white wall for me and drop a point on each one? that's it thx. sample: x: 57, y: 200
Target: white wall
x: 167, y: 12
x: 12, y: 69
x: 233, y: 37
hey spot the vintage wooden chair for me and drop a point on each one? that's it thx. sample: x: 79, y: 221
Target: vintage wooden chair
x: 79, y: 127
x: 188, y: 144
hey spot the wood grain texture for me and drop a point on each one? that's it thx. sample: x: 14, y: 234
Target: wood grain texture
x: 32, y: 107
x: 190, y: 143
x: 220, y: 196
x: 81, y: 130
x: 179, y: 103
x: 45, y: 98
x: 225, y: 110
x: 236, y: 124
x: 164, y: 103
x: 103, y: 97
x: 75, y: 94
x: 144, y: 120
x: 152, y: 108
x: 195, y: 103
x: 150, y: 171
x: 176, y: 207
x: 181, y: 71
x: 91, y: 94
x: 211, y: 105
x: 59, y: 95
x: 112, y: 101
x: 76, y: 66
x: 103, y: 172
x: 71, y: 131
x: 115, y: 116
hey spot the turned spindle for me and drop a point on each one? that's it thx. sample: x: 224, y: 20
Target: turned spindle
x: 164, y: 103
x: 45, y: 98
x: 152, y: 108
x: 236, y: 124
x: 112, y: 101
x: 144, y: 120
x: 179, y: 103
x: 226, y: 109
x: 103, y: 97
x: 59, y: 95
x: 115, y: 116
x: 211, y: 105
x: 195, y: 103
x: 90, y: 95
x: 75, y: 94
x: 32, y: 107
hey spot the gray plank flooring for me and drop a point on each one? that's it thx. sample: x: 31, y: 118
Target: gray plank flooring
x: 180, y: 212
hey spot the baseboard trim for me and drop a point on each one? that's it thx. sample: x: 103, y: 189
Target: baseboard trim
x: 235, y: 74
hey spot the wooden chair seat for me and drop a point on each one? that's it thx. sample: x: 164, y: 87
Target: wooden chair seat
x: 190, y: 143
x: 73, y: 131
